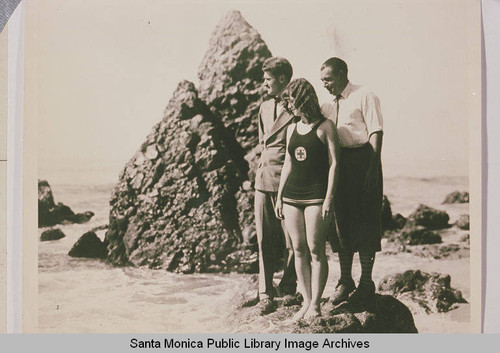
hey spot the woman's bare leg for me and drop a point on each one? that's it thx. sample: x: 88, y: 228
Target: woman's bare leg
x: 294, y: 220
x: 316, y: 241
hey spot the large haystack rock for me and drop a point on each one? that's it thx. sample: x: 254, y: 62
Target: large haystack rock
x: 231, y: 83
x: 231, y: 76
x: 184, y: 201
x: 174, y: 206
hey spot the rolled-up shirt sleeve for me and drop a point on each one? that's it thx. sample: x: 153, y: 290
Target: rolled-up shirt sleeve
x: 372, y: 113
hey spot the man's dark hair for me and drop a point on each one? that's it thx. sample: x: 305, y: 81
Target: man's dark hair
x: 336, y: 64
x: 277, y: 66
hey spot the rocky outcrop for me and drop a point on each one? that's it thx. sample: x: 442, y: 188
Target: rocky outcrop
x: 399, y: 221
x: 420, y: 225
x: 52, y: 234
x: 231, y: 76
x: 419, y: 235
x: 50, y: 213
x: 428, y: 218
x: 422, y: 292
x: 90, y: 246
x: 380, y: 314
x: 463, y: 222
x: 387, y: 220
x: 45, y: 197
x: 457, y: 197
x: 175, y: 206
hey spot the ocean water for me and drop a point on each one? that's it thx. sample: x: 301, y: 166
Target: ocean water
x: 84, y: 295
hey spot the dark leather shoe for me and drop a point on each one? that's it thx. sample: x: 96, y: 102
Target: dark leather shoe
x: 295, y: 299
x: 342, y: 291
x: 266, y: 306
x: 363, y: 293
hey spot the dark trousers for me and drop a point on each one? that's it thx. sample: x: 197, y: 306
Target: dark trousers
x: 273, y: 240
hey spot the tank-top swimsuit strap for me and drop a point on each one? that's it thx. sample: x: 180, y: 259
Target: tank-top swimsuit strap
x: 318, y: 123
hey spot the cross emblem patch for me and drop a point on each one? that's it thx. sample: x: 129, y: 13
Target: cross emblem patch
x: 300, y: 154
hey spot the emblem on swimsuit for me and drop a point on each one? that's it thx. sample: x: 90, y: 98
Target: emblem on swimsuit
x: 300, y: 154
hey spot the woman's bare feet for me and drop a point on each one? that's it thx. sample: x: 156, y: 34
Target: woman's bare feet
x: 312, y: 313
x: 300, y: 314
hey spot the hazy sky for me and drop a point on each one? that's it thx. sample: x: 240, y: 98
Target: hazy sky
x: 108, y: 68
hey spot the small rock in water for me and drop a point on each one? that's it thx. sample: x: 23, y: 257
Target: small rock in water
x: 83, y: 217
x: 89, y: 245
x: 463, y: 222
x: 457, y: 197
x: 465, y: 238
x: 52, y: 234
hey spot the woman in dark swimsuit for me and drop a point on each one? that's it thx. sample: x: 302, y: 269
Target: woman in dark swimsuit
x: 305, y: 194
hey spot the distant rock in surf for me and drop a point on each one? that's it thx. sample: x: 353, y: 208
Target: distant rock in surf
x: 428, y: 218
x: 50, y: 213
x: 465, y: 238
x: 457, y: 197
x: 52, y: 234
x: 83, y: 217
x: 90, y: 246
x: 463, y: 222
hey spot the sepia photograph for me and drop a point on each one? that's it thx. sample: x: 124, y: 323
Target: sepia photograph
x: 253, y: 166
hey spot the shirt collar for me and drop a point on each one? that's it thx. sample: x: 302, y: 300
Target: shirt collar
x: 347, y: 90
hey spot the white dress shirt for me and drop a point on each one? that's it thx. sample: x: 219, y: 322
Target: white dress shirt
x: 358, y: 117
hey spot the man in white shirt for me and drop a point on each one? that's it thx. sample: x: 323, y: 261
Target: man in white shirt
x: 356, y: 112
